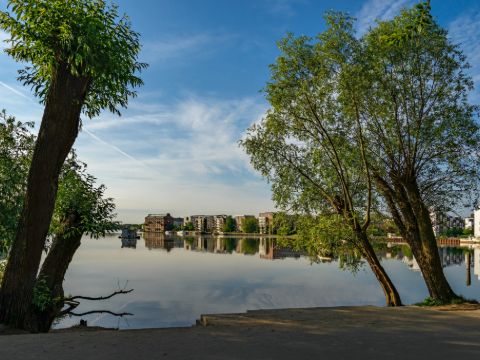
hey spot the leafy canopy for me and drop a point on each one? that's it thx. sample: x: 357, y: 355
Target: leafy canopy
x: 87, y: 36
x: 16, y: 146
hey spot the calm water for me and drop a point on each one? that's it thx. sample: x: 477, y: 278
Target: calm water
x: 176, y: 280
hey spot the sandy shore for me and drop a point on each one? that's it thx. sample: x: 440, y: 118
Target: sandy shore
x: 329, y: 333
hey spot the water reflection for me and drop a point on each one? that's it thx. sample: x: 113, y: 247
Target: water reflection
x: 175, y: 279
x: 265, y: 247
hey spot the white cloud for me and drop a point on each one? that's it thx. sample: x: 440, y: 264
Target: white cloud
x: 174, y: 47
x: 373, y: 10
x: 183, y: 158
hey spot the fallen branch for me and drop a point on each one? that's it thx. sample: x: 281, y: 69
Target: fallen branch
x: 72, y: 303
x: 73, y: 298
x: 101, y: 312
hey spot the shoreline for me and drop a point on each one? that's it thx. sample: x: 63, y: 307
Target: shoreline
x: 362, y: 332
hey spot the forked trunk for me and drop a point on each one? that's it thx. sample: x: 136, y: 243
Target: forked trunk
x: 58, y: 131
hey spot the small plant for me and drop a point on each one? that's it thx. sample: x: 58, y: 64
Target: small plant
x: 3, y: 265
x: 432, y: 302
x: 42, y: 298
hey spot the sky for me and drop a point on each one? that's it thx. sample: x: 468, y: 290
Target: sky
x: 175, y: 149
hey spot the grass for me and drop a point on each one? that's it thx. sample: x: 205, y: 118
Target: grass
x: 428, y: 302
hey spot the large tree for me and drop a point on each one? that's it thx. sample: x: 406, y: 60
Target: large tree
x: 423, y: 140
x: 82, y: 59
x: 310, y: 145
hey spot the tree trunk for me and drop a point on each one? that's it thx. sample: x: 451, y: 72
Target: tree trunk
x: 53, y: 273
x: 413, y: 221
x: 58, y: 131
x: 391, y: 294
x: 429, y: 259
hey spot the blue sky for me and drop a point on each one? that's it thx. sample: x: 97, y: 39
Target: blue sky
x: 175, y: 148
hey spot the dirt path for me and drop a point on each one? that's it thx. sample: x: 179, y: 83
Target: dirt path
x: 327, y: 333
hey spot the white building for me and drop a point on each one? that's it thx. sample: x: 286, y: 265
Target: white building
x: 476, y: 223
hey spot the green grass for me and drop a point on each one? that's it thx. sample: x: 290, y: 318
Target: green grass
x: 433, y: 302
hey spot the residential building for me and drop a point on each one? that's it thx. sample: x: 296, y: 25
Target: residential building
x: 265, y: 222
x: 204, y: 223
x: 442, y: 222
x: 158, y: 223
x: 469, y: 222
x: 178, y: 222
x: 240, y: 220
x: 219, y: 223
x: 476, y: 223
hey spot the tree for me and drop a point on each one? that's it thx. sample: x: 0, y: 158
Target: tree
x: 189, y: 226
x: 16, y: 146
x: 284, y: 224
x: 310, y: 145
x: 250, y: 225
x: 83, y: 59
x: 423, y: 140
x: 230, y: 225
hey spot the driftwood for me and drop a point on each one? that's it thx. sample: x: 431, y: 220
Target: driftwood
x: 72, y: 303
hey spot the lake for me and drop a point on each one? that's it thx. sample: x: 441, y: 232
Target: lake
x: 175, y: 280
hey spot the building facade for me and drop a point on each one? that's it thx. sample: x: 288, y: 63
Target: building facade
x: 219, y: 223
x: 158, y: 223
x: 442, y: 222
x: 265, y: 222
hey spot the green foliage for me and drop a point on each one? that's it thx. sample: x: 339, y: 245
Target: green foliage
x: 80, y: 198
x: 420, y: 127
x: 250, y: 225
x: 285, y: 224
x: 467, y: 232
x: 434, y: 302
x: 454, y: 232
x: 16, y: 146
x: 87, y: 36
x: 42, y: 298
x: 230, y: 225
x: 189, y: 227
x: 3, y: 266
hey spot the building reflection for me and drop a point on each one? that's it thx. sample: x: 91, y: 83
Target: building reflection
x: 264, y: 247
x: 267, y: 248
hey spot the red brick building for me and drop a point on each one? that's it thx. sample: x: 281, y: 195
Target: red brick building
x: 158, y: 223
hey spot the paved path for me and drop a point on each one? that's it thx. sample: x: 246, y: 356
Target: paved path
x: 326, y: 333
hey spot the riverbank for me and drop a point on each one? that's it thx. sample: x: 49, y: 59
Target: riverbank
x: 333, y: 333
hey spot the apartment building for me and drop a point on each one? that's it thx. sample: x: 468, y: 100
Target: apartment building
x: 158, y: 223
x: 265, y: 222
x: 442, y: 222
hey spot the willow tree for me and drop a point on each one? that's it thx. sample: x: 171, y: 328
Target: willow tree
x: 310, y: 145
x: 423, y: 139
x: 82, y: 58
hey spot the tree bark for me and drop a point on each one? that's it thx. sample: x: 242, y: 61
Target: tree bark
x: 391, y: 294
x: 58, y: 131
x: 53, y: 273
